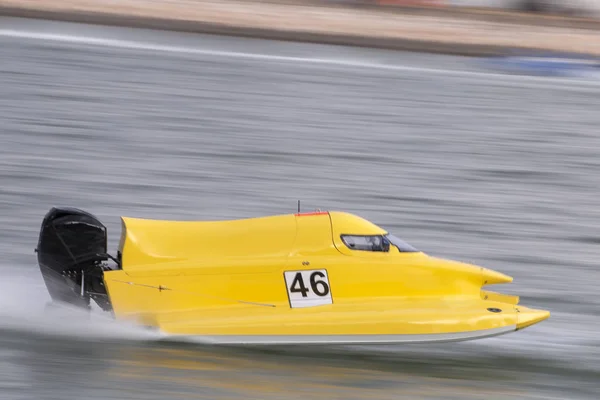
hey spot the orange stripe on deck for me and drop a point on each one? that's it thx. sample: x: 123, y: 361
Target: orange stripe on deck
x: 311, y: 213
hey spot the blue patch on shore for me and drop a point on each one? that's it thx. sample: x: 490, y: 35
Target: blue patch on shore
x: 545, y: 64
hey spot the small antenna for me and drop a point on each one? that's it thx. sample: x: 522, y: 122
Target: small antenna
x: 298, y: 206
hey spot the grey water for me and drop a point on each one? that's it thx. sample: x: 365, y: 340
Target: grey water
x: 500, y: 171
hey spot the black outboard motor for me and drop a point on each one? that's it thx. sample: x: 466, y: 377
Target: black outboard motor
x: 71, y: 254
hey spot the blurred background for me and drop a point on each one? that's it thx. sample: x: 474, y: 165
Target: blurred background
x: 488, y: 160
x: 552, y: 7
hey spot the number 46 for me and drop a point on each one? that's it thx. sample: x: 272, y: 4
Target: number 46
x: 318, y: 284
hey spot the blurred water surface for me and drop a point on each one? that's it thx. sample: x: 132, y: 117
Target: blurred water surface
x: 497, y: 171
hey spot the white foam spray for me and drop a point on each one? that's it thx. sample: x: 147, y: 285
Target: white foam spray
x: 25, y: 306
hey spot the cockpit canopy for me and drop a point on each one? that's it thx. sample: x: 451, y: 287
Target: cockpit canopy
x: 377, y: 243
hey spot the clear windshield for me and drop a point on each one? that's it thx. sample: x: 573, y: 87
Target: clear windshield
x: 402, y: 246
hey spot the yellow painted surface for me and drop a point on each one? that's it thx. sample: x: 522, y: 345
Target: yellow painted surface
x: 227, y: 278
x: 503, y: 298
x: 153, y: 242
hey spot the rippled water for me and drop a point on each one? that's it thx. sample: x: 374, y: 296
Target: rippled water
x: 498, y: 171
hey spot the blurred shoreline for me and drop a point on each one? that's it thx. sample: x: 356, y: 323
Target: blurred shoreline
x: 456, y: 30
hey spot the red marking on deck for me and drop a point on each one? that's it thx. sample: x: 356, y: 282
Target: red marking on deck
x: 311, y: 213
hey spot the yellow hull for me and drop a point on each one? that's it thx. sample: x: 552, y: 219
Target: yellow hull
x: 387, y: 322
x: 367, y: 320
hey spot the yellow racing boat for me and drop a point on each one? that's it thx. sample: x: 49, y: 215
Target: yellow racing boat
x: 318, y: 277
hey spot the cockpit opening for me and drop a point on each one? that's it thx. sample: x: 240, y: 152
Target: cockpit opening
x: 380, y: 243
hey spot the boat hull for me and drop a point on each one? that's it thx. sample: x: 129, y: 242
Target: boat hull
x: 351, y: 322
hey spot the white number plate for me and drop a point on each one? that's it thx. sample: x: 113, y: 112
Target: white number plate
x: 308, y: 288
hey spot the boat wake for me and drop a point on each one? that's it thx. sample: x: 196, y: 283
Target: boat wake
x: 26, y: 307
